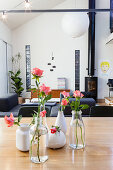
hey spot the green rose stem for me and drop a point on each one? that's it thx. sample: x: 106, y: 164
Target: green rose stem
x: 31, y: 145
x: 37, y: 84
x: 81, y: 136
x: 38, y: 115
x: 76, y: 131
x: 77, y: 134
x: 38, y: 147
x: 75, y: 105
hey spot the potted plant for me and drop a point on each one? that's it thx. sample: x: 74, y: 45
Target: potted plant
x: 15, y: 77
x: 17, y: 84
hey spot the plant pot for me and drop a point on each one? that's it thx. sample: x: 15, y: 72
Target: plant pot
x: 20, y: 100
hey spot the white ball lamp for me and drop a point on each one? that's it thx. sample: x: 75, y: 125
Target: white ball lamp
x: 75, y: 24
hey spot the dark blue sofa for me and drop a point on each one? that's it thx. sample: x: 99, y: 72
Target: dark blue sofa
x: 8, y: 101
x: 67, y: 112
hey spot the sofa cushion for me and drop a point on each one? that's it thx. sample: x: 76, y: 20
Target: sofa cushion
x: 36, y: 104
x: 7, y: 102
x: 2, y: 114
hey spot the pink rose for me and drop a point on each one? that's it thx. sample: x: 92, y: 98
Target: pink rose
x: 9, y: 120
x: 65, y: 94
x: 37, y: 72
x: 45, y: 89
x: 53, y: 130
x: 77, y: 93
x: 43, y: 113
x: 64, y: 102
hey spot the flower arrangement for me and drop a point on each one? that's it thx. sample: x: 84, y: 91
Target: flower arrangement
x: 65, y: 100
x: 75, y: 105
x: 55, y: 129
x: 43, y: 94
x: 42, y: 91
x: 77, y: 121
x: 10, y: 121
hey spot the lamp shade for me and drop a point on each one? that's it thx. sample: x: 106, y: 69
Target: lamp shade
x: 75, y: 24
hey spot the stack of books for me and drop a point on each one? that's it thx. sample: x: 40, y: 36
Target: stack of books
x: 109, y: 100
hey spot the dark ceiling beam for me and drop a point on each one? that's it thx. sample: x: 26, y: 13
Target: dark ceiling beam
x: 56, y: 10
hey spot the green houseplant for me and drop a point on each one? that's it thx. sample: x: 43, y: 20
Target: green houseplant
x: 17, y: 84
x: 16, y: 80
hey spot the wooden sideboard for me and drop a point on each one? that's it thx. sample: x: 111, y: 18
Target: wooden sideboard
x: 54, y: 92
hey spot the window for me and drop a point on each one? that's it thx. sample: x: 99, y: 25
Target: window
x: 77, y: 69
x: 28, y: 67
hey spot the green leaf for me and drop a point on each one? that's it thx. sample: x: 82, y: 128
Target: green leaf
x: 33, y: 89
x: 84, y: 106
x: 17, y: 73
x: 11, y: 72
x: 19, y: 118
x: 16, y: 123
x: 16, y: 80
x: 48, y: 97
x: 33, y: 120
x: 20, y: 89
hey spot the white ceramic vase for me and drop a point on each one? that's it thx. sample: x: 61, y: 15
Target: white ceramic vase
x: 22, y: 137
x: 56, y: 140
x: 61, y: 122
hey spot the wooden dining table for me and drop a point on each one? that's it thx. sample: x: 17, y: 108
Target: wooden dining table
x: 97, y: 155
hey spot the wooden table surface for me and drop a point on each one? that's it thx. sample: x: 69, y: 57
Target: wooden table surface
x: 97, y: 155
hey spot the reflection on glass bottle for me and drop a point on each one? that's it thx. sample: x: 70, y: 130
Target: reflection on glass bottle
x: 38, y: 150
x: 77, y: 131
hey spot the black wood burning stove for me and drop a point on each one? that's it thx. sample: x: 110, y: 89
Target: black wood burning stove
x: 91, y: 86
x: 110, y: 84
x: 91, y: 82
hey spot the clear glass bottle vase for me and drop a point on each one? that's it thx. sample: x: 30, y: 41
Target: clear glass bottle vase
x: 38, y: 150
x: 77, y: 131
x: 44, y: 122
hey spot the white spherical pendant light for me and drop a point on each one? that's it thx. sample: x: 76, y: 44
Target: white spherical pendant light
x: 75, y: 24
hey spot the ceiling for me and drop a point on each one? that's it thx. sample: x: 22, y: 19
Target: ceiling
x: 15, y: 20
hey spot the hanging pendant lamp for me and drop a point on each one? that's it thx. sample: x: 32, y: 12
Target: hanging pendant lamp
x: 75, y: 24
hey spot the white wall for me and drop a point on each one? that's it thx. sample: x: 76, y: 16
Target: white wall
x: 5, y: 33
x: 45, y: 36
x: 104, y: 52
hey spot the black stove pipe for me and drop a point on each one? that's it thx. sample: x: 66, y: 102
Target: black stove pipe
x: 91, y: 40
